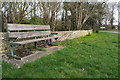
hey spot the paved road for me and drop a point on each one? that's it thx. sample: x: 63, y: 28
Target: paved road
x: 117, y: 32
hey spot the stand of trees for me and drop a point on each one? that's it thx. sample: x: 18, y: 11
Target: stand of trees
x: 0, y: 17
x: 59, y: 15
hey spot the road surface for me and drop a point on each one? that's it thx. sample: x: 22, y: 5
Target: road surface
x: 117, y: 32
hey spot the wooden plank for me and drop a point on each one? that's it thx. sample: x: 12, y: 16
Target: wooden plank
x: 28, y: 34
x: 33, y: 40
x: 13, y: 27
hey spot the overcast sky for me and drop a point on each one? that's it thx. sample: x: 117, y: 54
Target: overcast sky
x: 113, y: 0
x: 115, y: 12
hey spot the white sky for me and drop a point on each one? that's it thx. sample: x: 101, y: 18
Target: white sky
x: 115, y: 12
x: 113, y: 0
x: 116, y: 17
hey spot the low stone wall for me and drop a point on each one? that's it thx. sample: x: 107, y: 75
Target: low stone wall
x: 3, y: 43
x: 62, y: 35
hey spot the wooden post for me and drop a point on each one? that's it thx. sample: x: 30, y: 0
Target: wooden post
x: 0, y: 16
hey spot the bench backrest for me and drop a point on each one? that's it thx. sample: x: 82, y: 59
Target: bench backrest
x: 27, y: 31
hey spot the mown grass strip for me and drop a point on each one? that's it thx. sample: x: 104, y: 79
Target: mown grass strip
x: 94, y: 56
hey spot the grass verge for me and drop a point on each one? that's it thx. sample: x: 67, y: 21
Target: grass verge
x: 94, y: 56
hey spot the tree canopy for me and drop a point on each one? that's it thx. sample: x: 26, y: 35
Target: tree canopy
x: 59, y: 15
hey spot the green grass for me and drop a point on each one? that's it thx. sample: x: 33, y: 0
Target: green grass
x: 0, y: 67
x: 94, y: 56
x: 42, y: 49
x: 34, y: 49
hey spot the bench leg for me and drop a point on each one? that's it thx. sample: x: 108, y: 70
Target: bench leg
x: 50, y: 42
x: 35, y: 44
x: 11, y: 54
x: 45, y: 43
x: 56, y: 41
x: 11, y: 51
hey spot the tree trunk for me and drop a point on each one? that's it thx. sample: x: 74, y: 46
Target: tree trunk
x: 0, y: 16
x: 118, y: 15
x: 66, y: 18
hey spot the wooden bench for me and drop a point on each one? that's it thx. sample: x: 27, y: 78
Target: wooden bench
x: 32, y: 34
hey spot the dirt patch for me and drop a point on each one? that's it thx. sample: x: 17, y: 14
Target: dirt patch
x: 32, y: 57
x: 26, y: 50
x: 23, y: 52
x: 43, y: 43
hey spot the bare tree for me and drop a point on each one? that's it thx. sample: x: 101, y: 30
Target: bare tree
x: 0, y: 16
x: 50, y: 12
x: 118, y: 15
x: 81, y: 12
x: 75, y: 15
x: 110, y: 9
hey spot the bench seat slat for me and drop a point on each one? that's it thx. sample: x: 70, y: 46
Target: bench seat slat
x: 28, y: 34
x: 13, y: 27
x: 33, y: 40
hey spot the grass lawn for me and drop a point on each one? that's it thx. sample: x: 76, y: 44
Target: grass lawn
x: 94, y: 56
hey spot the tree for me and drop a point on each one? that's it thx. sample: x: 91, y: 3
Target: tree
x: 74, y: 16
x: 0, y: 16
x: 50, y: 12
x: 110, y: 9
x: 118, y: 15
x: 17, y: 11
x: 112, y: 13
x: 81, y: 12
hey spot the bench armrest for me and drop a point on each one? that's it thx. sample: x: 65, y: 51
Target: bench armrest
x: 54, y: 33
